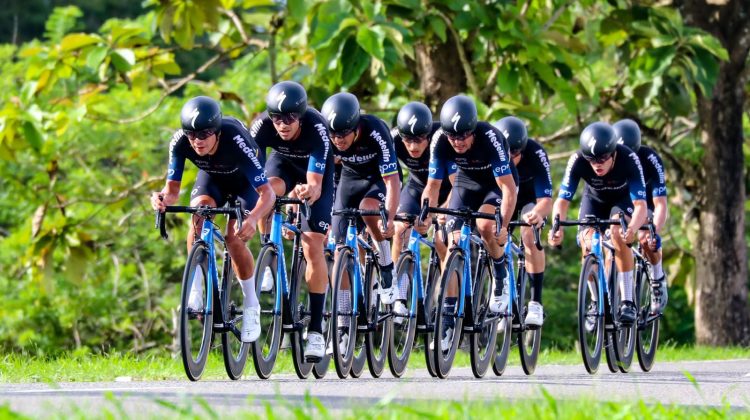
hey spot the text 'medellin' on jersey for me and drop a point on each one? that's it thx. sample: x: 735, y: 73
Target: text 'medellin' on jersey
x: 626, y: 176
x: 371, y: 152
x: 311, y: 149
x: 488, y: 157
x: 653, y: 173
x: 534, y: 167
x: 235, y: 159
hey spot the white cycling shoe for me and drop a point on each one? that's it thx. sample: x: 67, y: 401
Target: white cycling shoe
x: 315, y: 348
x: 267, y: 283
x: 535, y: 314
x: 195, y: 301
x: 250, y: 324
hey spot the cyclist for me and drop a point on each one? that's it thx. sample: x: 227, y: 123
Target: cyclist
x: 484, y: 180
x: 301, y: 163
x: 534, y: 202
x: 411, y: 137
x: 369, y: 176
x: 628, y: 133
x: 614, y: 182
x: 228, y: 166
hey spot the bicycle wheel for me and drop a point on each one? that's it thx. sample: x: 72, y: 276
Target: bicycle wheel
x: 377, y: 337
x: 428, y: 308
x: 321, y: 368
x: 404, y: 328
x: 300, y: 317
x: 266, y: 347
x: 232, y: 348
x: 196, y: 327
x: 528, y: 339
x: 647, y: 338
x: 448, y: 325
x: 590, y: 341
x: 482, y: 342
x: 502, y: 342
x: 610, y: 315
x: 344, y: 326
x: 624, y: 336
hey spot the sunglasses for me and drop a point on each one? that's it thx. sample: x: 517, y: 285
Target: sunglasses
x: 412, y: 139
x: 342, y: 134
x: 600, y: 159
x: 286, y: 118
x: 200, y: 135
x: 459, y: 137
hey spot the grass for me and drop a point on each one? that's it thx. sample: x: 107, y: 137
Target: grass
x: 155, y: 366
x: 543, y: 407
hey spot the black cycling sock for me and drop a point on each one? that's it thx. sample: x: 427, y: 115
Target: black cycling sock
x: 265, y: 238
x: 386, y: 274
x: 317, y: 300
x: 500, y: 273
x: 536, y: 287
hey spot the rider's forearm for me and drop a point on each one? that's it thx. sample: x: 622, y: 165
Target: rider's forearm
x: 660, y: 213
x: 314, y: 179
x: 266, y: 200
x: 431, y: 191
x: 171, y: 192
x: 392, y: 195
x: 640, y: 213
x: 543, y: 206
x: 561, y: 208
x: 508, y: 187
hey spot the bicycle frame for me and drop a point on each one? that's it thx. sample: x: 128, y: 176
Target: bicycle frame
x: 415, y: 239
x: 466, y: 238
x: 209, y: 232
x: 356, y: 284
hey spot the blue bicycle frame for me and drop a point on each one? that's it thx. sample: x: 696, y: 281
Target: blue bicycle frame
x: 415, y: 239
x: 464, y: 243
x: 598, y: 253
x: 282, y: 280
x: 208, y: 231
x: 352, y: 240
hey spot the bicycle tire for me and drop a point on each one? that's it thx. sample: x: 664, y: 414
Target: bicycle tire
x: 610, y: 311
x: 299, y: 308
x: 404, y: 328
x: 529, y: 339
x: 624, y: 336
x: 428, y: 308
x: 233, y: 349
x: 591, y: 354
x: 266, y: 348
x: 503, y: 338
x: 647, y: 338
x: 377, y: 337
x: 452, y: 275
x: 194, y: 366
x: 321, y: 368
x: 482, y: 343
x: 343, y: 320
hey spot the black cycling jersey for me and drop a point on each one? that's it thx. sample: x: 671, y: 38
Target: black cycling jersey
x: 418, y: 167
x: 311, y: 150
x: 371, y: 152
x: 625, y: 176
x: 534, y: 178
x: 487, y: 158
x: 235, y: 160
x: 653, y: 174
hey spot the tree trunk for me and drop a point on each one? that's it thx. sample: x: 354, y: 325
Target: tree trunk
x: 722, y: 316
x: 439, y: 72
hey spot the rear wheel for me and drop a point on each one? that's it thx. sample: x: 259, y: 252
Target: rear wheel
x: 647, y: 338
x: 344, y: 326
x: 195, y: 325
x: 448, y: 325
x: 623, y: 336
x: 321, y: 368
x: 529, y: 339
x: 482, y: 342
x: 404, y: 328
x: 232, y: 348
x: 377, y: 338
x: 590, y: 339
x: 429, y: 310
x: 300, y: 311
x: 266, y: 347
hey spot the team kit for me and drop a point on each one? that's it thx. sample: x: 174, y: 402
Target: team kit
x: 357, y: 224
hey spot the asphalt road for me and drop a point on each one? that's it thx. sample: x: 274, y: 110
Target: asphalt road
x: 688, y: 383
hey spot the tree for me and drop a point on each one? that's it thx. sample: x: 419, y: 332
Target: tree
x: 722, y: 314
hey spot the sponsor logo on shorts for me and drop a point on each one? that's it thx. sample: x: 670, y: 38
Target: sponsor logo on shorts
x: 323, y: 225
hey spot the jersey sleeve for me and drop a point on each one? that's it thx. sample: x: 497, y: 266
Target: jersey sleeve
x: 498, y: 154
x: 387, y: 161
x: 440, y: 164
x: 176, y: 156
x: 570, y: 180
x: 321, y: 150
x: 261, y: 130
x: 636, y: 183
x: 542, y: 174
x: 659, y: 183
x: 248, y: 161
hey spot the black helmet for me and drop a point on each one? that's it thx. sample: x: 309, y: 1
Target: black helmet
x: 341, y: 112
x: 597, y: 140
x: 458, y: 115
x: 201, y: 113
x: 285, y: 97
x: 514, y: 130
x: 628, y: 133
x: 415, y: 119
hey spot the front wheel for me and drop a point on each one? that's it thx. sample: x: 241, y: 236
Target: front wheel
x: 266, y: 347
x: 448, y: 324
x: 591, y: 336
x: 379, y: 323
x: 344, y: 328
x: 404, y: 328
x: 232, y: 348
x: 482, y: 342
x: 647, y: 339
x: 196, y: 324
x: 321, y: 368
x: 529, y: 339
x: 300, y: 311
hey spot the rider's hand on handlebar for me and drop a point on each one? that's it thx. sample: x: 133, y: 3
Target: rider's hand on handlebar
x: 421, y: 227
x: 307, y: 192
x: 629, y: 235
x: 248, y: 228
x: 388, y: 233
x: 532, y: 218
x: 157, y: 201
x: 555, y: 238
x: 646, y: 240
x: 502, y: 238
